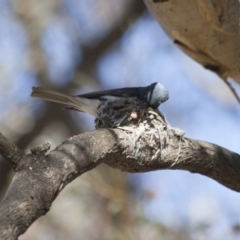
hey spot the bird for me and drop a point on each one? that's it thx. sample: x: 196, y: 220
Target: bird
x: 149, y: 96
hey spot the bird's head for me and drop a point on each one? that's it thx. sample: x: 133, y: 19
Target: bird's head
x: 156, y: 94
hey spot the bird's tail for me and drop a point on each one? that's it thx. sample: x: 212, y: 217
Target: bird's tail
x: 52, y: 96
x: 74, y: 103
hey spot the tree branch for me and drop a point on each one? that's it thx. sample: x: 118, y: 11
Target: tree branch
x: 39, y: 179
x: 151, y: 145
x: 206, y: 30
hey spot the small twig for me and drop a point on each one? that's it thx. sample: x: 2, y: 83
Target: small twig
x: 10, y: 151
x: 232, y: 90
x: 42, y: 149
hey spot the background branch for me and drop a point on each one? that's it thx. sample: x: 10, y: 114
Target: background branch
x: 211, y: 39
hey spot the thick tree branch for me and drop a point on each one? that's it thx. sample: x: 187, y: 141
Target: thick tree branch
x: 207, y: 30
x: 150, y: 145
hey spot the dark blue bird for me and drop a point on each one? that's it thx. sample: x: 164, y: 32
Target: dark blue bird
x: 150, y: 96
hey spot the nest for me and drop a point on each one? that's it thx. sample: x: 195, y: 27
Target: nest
x: 123, y: 112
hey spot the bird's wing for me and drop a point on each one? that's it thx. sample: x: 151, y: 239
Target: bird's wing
x: 121, y: 92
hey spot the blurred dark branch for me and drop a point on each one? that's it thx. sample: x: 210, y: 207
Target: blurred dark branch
x: 129, y: 149
x: 92, y: 54
x: 35, y: 24
x: 35, y: 20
